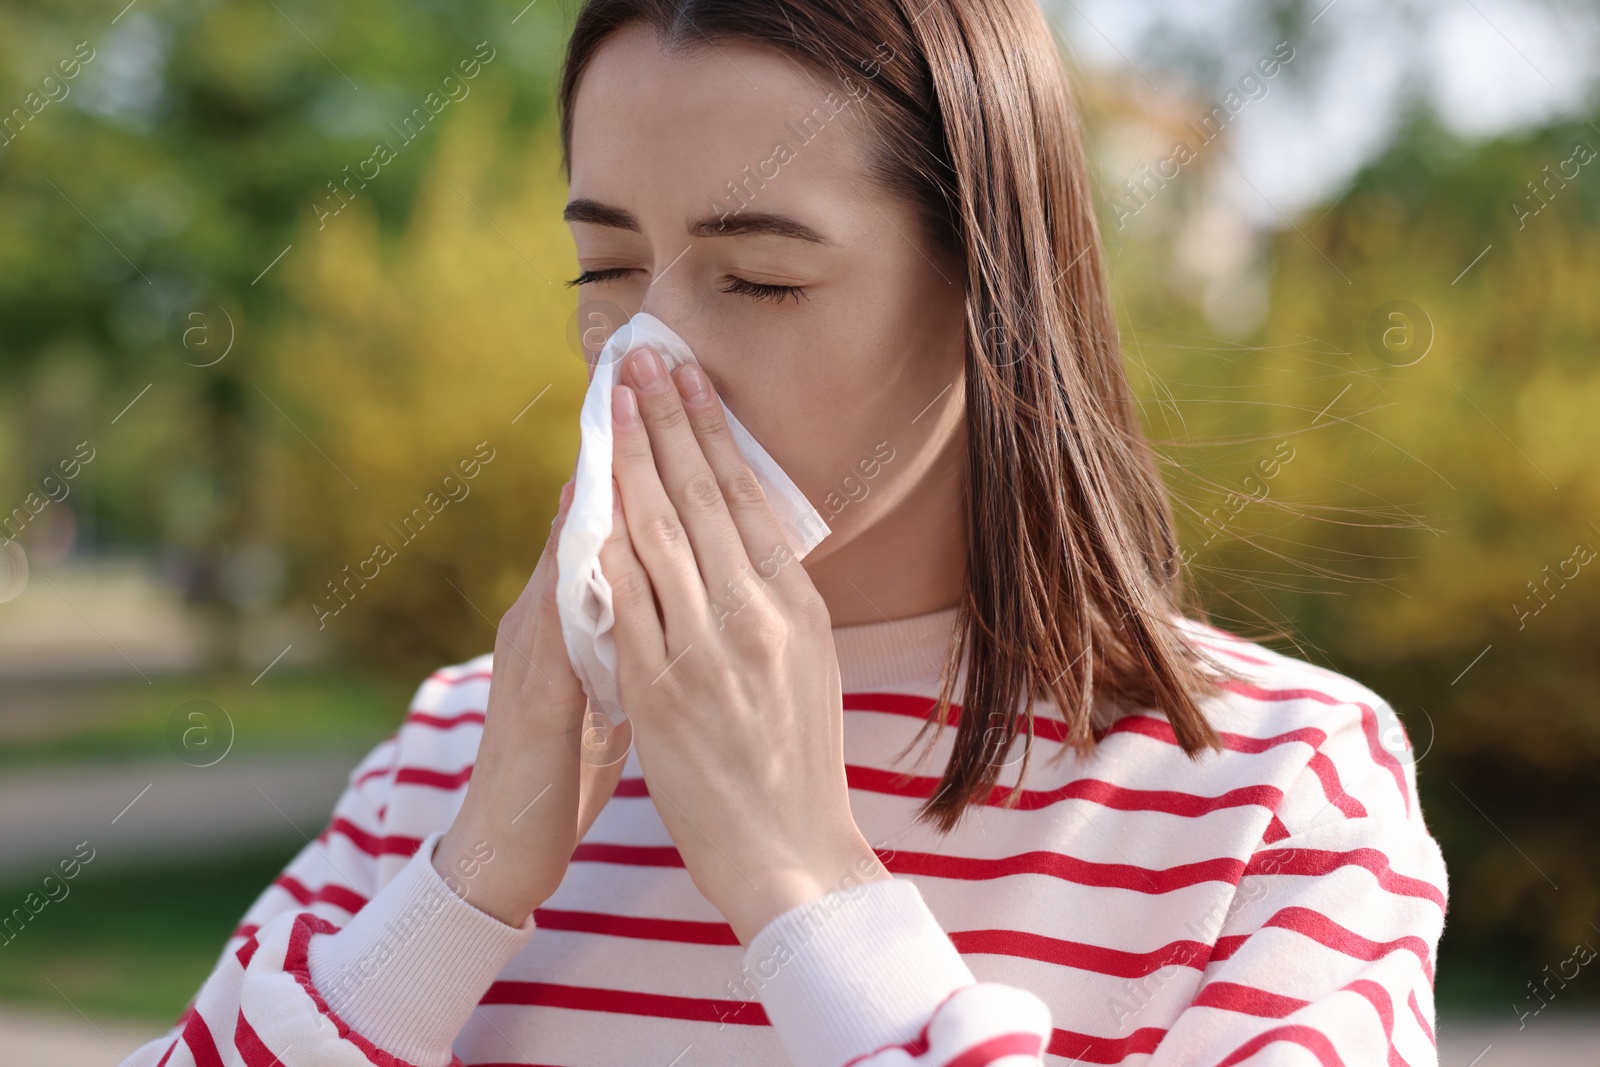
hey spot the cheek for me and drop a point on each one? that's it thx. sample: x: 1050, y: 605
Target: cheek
x: 791, y: 382
x: 830, y: 393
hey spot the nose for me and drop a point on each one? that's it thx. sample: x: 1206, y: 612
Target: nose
x: 670, y: 300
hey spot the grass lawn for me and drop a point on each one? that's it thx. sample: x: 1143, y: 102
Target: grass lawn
x: 286, y: 711
x: 135, y: 943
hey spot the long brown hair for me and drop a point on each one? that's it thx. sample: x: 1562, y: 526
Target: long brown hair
x: 1073, y: 584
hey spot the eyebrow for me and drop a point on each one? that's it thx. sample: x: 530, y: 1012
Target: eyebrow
x: 732, y: 224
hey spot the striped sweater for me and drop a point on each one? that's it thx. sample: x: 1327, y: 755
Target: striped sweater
x: 1277, y: 902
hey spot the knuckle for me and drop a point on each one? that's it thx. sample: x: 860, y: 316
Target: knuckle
x: 629, y: 586
x: 710, y: 423
x: 768, y: 630
x: 668, y: 415
x: 664, y: 530
x: 743, y: 489
x: 703, y: 491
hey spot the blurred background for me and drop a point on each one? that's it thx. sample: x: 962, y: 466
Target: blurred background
x: 240, y: 347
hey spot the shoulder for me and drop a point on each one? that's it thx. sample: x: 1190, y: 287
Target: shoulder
x: 458, y: 692
x: 1349, y: 744
x: 428, y: 759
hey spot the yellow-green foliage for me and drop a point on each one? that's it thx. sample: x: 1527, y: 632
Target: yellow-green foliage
x: 404, y: 355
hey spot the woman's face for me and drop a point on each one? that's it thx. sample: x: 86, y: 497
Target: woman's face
x: 712, y: 170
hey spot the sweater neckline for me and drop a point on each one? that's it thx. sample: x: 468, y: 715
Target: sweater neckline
x: 895, y: 651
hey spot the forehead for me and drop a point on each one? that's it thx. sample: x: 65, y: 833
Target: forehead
x: 686, y: 123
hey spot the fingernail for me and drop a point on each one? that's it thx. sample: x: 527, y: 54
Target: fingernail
x: 624, y: 408
x: 693, y: 384
x: 647, y: 367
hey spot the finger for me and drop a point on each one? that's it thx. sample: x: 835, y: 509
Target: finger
x: 659, y: 539
x: 563, y: 503
x: 552, y: 544
x: 765, y: 542
x: 690, y: 482
x: 636, y: 627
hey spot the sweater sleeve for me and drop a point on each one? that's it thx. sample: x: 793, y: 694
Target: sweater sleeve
x: 335, y: 965
x: 865, y: 977
x: 1327, y: 952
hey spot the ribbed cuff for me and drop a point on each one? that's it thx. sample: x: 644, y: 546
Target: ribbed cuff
x: 852, y: 971
x: 408, y: 969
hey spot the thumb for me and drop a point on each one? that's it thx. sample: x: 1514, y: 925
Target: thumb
x: 564, y: 502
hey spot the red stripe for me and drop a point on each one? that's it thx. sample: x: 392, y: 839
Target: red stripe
x: 377, y: 772
x: 1016, y: 943
x: 974, y: 869
x: 1416, y: 1010
x: 1090, y: 1048
x: 876, y: 780
x: 1094, y: 790
x: 1317, y: 861
x: 630, y: 855
x: 907, y: 704
x: 1161, y: 730
x: 247, y: 951
x: 1079, y: 955
x: 371, y: 844
x: 918, y: 1045
x: 1327, y: 774
x: 443, y: 675
x: 1275, y: 831
x: 1312, y: 1041
x: 683, y: 931
x: 1067, y: 868
x: 337, y: 895
x: 1369, y: 723
x: 1382, y: 756
x: 1083, y: 1048
x: 1378, y: 997
x: 162, y: 1062
x: 1246, y: 1000
x: 297, y: 964
x: 434, y: 779
x: 1333, y: 789
x: 626, y: 1002
x: 251, y: 1048
x: 202, y: 1047
x: 1326, y: 932
x: 921, y: 707
x: 998, y: 1047
x: 444, y: 722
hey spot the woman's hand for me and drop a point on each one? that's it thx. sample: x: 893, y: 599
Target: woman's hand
x: 540, y: 778
x: 733, y: 685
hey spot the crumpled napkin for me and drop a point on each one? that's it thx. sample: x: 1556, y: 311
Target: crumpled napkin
x: 583, y: 596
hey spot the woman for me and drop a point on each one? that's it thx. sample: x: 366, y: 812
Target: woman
x: 871, y: 220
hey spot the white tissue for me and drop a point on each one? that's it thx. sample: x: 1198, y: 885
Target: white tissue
x: 583, y: 596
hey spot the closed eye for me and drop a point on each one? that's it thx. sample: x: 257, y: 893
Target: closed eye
x: 606, y: 275
x: 761, y: 291
x: 736, y: 286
